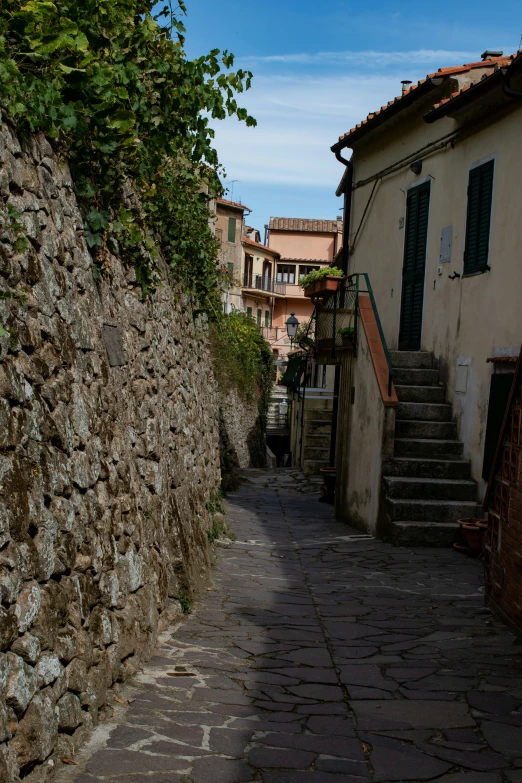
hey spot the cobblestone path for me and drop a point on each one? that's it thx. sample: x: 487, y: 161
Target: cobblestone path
x: 322, y: 656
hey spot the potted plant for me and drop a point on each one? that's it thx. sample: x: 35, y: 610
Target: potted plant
x: 348, y: 336
x: 473, y: 532
x: 321, y: 281
x: 325, y: 344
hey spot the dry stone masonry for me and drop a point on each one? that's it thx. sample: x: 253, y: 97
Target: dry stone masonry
x: 109, y: 453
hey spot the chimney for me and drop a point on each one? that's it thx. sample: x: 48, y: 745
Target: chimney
x: 405, y: 85
x: 491, y: 54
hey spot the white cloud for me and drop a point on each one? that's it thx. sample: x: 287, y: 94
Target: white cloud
x: 298, y: 121
x: 368, y: 59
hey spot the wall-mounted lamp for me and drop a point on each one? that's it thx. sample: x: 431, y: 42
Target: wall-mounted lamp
x: 416, y: 167
x: 291, y: 327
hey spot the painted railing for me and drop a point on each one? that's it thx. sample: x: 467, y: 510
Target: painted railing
x: 368, y: 290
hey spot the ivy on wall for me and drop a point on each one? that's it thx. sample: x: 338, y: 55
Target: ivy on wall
x: 110, y: 83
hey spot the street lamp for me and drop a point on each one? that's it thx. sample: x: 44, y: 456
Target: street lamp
x: 291, y: 328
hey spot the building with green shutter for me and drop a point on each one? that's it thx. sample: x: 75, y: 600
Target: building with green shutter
x: 432, y: 202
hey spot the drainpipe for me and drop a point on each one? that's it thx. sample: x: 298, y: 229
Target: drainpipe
x: 347, y: 209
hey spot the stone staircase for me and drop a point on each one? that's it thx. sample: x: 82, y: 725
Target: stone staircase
x: 317, y: 431
x: 428, y: 484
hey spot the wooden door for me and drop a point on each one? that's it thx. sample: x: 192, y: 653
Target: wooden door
x: 414, y: 267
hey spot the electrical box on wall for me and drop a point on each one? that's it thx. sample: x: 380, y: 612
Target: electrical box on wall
x: 461, y: 379
x: 446, y: 239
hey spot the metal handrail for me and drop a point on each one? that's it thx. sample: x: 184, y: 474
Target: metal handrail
x: 263, y: 283
x: 369, y: 291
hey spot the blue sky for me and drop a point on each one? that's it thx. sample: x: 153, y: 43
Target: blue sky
x: 319, y: 68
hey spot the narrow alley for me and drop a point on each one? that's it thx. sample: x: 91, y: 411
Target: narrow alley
x: 322, y: 655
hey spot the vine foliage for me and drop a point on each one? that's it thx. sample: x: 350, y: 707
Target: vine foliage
x: 110, y: 82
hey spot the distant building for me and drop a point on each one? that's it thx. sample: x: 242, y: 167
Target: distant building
x: 302, y: 245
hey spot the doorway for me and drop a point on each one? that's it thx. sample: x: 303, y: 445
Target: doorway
x: 414, y: 267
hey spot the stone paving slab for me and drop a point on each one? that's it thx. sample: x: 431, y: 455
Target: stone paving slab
x: 321, y: 656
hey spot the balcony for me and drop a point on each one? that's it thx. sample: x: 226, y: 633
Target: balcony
x: 264, y: 283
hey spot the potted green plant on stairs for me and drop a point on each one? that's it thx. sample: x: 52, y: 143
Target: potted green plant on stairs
x: 321, y: 282
x: 347, y: 334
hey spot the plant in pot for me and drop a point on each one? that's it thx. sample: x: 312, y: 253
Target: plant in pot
x: 348, y: 336
x: 473, y: 531
x: 325, y: 343
x: 320, y: 282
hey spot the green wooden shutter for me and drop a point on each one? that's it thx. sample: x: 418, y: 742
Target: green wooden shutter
x: 249, y: 311
x: 417, y: 213
x: 480, y: 195
x: 267, y: 318
x: 259, y: 314
x: 230, y: 267
x: 231, y: 229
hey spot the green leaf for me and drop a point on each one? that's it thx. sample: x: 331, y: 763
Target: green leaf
x: 122, y: 120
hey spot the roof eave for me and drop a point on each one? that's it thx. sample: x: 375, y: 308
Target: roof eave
x: 473, y: 93
x: 379, y: 119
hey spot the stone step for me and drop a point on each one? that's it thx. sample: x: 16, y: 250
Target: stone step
x: 413, y: 488
x: 406, y: 376
x: 425, y: 411
x: 413, y: 359
x: 440, y: 430
x: 435, y: 394
x: 429, y: 510
x: 318, y: 404
x: 311, y: 452
x: 428, y: 468
x: 423, y: 533
x: 318, y: 440
x: 317, y: 427
x: 313, y: 466
x: 426, y: 447
x: 317, y: 414
x: 430, y: 430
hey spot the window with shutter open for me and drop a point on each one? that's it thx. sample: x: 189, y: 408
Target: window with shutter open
x: 480, y: 194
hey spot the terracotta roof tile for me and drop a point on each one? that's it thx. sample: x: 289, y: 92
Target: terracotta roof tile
x: 304, y: 224
x: 233, y: 204
x: 247, y: 241
x: 500, y: 62
x: 493, y: 63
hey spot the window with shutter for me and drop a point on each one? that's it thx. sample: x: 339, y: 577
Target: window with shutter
x: 249, y: 311
x: 480, y: 195
x: 413, y: 271
x: 259, y: 314
x: 230, y: 267
x: 231, y: 229
x: 267, y: 318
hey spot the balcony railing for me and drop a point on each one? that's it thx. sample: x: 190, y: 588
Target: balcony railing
x: 264, y: 283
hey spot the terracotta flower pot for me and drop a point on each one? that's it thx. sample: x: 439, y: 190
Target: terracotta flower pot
x: 348, y: 340
x: 325, y: 344
x: 473, y: 536
x: 322, y: 287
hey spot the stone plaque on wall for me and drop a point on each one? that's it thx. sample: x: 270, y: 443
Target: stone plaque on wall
x: 113, y: 339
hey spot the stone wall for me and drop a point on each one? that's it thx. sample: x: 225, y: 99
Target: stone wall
x: 109, y: 453
x: 242, y: 442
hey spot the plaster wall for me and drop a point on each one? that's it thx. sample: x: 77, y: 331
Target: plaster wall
x: 466, y: 320
x: 364, y: 440
x: 307, y: 245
